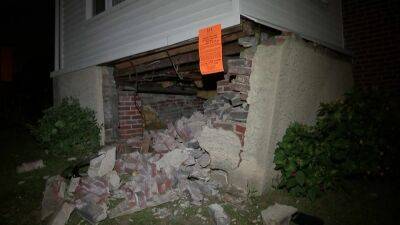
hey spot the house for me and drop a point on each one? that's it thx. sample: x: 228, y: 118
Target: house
x: 126, y: 57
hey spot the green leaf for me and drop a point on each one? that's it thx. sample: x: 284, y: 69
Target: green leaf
x: 312, y: 194
x: 291, y: 182
x: 300, y: 177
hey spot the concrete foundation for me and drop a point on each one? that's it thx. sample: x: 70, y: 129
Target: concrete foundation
x: 87, y: 86
x: 287, y: 83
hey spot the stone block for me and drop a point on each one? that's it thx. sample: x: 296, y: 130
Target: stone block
x: 53, y: 196
x: 104, y: 163
x: 218, y: 214
x: 278, y: 214
x: 223, y: 146
x: 62, y: 216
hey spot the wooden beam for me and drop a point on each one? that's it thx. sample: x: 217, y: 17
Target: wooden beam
x: 228, y: 34
x: 190, y: 57
x: 159, y: 90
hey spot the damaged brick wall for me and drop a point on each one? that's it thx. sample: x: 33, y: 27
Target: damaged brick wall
x: 233, y: 89
x: 130, y: 118
x: 169, y: 108
x: 371, y: 32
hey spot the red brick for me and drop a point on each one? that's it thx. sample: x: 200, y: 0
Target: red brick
x: 240, y: 128
x: 223, y: 125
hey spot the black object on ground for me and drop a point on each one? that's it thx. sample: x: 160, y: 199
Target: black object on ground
x: 73, y: 171
x: 305, y: 219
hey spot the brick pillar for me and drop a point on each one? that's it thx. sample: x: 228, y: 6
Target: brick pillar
x: 130, y: 119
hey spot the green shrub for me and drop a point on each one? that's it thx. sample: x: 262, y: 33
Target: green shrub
x: 355, y: 136
x: 68, y: 129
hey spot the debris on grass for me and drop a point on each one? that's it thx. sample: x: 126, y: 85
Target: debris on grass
x: 178, y: 168
x: 30, y: 166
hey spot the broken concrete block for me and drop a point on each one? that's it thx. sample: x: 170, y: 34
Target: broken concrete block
x: 92, y: 190
x: 62, y: 216
x: 93, y: 213
x: 218, y: 214
x: 192, y: 144
x: 223, y: 147
x: 209, y: 188
x: 204, y: 160
x: 278, y: 214
x: 113, y: 180
x: 163, y: 142
x: 104, y: 163
x: 194, y: 193
x: 199, y: 172
x: 73, y: 184
x: 53, y: 196
x: 29, y: 166
x: 220, y: 177
x: 173, y: 159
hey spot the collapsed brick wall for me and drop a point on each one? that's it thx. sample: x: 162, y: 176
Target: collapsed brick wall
x: 235, y: 81
x: 169, y: 108
x: 371, y: 32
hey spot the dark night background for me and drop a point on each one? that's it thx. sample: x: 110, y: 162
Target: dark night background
x: 27, y: 28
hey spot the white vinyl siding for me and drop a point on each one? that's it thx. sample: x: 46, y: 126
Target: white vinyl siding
x: 135, y: 26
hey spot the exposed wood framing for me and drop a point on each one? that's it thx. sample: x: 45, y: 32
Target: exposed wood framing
x: 156, y: 65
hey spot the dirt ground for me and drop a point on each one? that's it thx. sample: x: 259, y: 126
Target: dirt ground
x: 358, y: 203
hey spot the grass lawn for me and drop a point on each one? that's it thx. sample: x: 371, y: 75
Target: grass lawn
x: 359, y: 203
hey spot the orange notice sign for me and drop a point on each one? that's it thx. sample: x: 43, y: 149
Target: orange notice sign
x: 210, y: 50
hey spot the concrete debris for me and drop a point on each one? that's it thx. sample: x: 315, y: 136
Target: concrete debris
x: 177, y: 164
x: 73, y: 184
x: 71, y: 159
x: 113, y: 180
x: 92, y: 190
x: 92, y: 212
x: 278, y: 214
x: 220, y: 177
x: 223, y: 146
x: 218, y: 214
x: 53, y: 196
x: 104, y: 163
x: 172, y: 159
x: 30, y: 166
x: 62, y: 216
x: 162, y: 142
x: 194, y: 193
x: 194, y: 144
x: 204, y: 160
